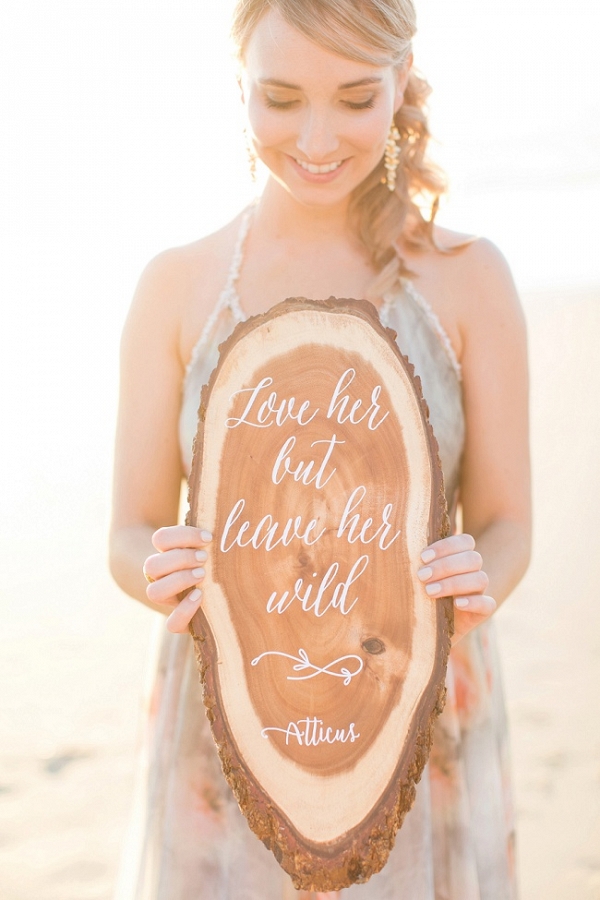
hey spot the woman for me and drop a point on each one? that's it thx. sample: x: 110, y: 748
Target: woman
x: 322, y: 82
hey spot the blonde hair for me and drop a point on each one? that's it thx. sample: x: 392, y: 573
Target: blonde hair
x: 378, y: 32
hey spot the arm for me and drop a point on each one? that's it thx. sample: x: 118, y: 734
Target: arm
x: 147, y: 472
x: 495, y: 481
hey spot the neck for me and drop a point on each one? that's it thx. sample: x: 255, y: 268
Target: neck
x: 282, y: 216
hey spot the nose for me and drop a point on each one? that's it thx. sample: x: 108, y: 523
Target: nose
x: 317, y: 139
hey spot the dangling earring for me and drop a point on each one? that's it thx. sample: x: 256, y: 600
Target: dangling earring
x: 251, y: 156
x: 391, y: 158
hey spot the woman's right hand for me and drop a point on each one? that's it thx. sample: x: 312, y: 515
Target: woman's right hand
x: 177, y: 567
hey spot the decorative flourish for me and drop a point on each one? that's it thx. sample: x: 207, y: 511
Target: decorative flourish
x: 302, y: 662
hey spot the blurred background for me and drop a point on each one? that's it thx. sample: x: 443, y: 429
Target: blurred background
x: 121, y: 135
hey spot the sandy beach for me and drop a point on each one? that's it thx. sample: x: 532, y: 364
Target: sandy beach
x: 73, y: 652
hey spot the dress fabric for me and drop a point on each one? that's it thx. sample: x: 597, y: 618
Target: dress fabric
x: 188, y: 839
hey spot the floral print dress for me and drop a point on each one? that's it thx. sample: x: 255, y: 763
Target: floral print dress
x: 189, y: 841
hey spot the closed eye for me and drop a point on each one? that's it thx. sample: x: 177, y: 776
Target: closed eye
x: 366, y: 104
x: 280, y: 104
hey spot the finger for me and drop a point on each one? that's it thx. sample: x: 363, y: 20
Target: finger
x: 457, y: 543
x: 160, y: 591
x: 175, y: 536
x: 459, y: 585
x: 182, y: 615
x: 160, y: 564
x: 167, y: 605
x: 477, y: 604
x: 470, y: 611
x: 468, y: 561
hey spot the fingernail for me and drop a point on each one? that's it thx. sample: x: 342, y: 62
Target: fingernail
x: 433, y: 589
x: 198, y: 573
x: 428, y: 555
x: 206, y: 535
x: 201, y: 555
x: 425, y: 574
x: 194, y: 596
x: 461, y: 602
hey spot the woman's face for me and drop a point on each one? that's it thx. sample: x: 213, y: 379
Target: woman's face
x: 318, y: 121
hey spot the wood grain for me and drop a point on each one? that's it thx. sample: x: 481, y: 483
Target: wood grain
x: 322, y: 661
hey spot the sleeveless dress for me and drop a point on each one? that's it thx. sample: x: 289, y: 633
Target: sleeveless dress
x: 188, y: 839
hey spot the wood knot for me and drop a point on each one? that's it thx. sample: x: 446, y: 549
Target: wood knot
x: 374, y: 646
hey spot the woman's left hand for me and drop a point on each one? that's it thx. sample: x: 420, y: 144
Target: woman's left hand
x: 452, y: 567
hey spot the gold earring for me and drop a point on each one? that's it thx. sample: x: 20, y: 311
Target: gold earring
x: 391, y: 159
x: 251, y: 156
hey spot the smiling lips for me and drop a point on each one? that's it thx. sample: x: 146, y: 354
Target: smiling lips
x: 318, y: 170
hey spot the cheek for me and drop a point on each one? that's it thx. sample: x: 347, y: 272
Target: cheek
x: 269, y: 126
x: 378, y: 135
x: 370, y: 134
x: 368, y: 130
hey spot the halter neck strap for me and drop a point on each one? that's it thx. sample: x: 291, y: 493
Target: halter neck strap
x: 228, y: 296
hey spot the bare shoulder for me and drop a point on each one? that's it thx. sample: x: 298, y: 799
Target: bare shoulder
x: 171, y: 277
x: 469, y: 286
x: 479, y: 276
x: 488, y: 318
x: 179, y: 287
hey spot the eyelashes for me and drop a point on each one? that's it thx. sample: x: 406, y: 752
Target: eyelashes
x: 275, y: 104
x: 289, y: 104
x: 366, y: 104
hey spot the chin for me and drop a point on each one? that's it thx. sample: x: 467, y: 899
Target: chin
x: 316, y: 195
x: 319, y: 199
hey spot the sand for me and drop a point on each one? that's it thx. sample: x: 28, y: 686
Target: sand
x: 73, y: 648
x: 550, y: 628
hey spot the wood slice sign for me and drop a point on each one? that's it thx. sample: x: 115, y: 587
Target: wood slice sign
x: 321, y: 658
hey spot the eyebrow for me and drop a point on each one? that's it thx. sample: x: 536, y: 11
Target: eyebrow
x: 275, y: 82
